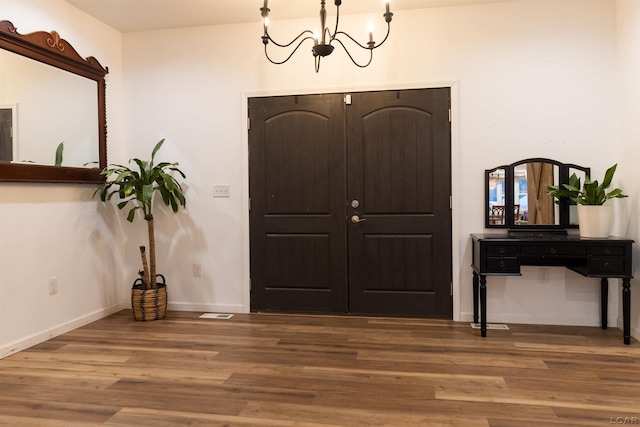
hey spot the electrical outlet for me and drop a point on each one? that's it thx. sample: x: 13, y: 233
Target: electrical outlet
x: 197, y: 270
x: 53, y: 285
x: 222, y: 190
x: 543, y: 275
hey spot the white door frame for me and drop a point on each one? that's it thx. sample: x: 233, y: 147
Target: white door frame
x: 455, y: 168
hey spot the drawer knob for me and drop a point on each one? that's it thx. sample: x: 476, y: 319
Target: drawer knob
x: 553, y: 251
x: 607, y: 251
x: 607, y: 265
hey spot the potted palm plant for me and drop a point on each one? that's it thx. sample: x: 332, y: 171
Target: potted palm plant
x: 594, y: 216
x: 136, y: 187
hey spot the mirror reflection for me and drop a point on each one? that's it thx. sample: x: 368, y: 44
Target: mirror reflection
x: 517, y: 195
x: 496, y: 196
x: 41, y: 107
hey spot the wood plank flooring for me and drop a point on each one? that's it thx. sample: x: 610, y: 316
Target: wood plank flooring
x: 295, y: 370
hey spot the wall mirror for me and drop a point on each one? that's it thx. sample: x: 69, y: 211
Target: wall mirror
x: 516, y: 195
x: 52, y: 110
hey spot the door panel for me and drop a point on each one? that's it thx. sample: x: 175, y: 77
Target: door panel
x: 297, y: 163
x: 296, y: 187
x: 397, y: 269
x: 399, y: 171
x: 395, y: 161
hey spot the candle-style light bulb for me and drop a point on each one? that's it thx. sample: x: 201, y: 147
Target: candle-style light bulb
x: 370, y: 28
x: 264, y: 10
x: 388, y: 16
x: 386, y: 5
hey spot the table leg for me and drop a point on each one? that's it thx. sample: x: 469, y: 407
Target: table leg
x: 483, y: 305
x: 604, y: 301
x: 626, y: 309
x: 476, y: 285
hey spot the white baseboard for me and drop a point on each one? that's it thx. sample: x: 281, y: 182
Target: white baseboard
x: 218, y: 308
x: 30, y: 341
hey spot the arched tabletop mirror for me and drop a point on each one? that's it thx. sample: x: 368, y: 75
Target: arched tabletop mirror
x: 516, y: 195
x: 52, y: 110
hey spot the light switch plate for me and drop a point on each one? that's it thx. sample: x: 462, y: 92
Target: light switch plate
x: 221, y: 190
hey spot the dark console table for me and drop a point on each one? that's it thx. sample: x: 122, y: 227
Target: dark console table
x: 502, y: 254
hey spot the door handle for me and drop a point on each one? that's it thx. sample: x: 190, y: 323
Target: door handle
x: 356, y: 219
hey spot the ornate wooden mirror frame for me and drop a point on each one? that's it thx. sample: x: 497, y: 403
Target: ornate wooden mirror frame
x: 49, y: 48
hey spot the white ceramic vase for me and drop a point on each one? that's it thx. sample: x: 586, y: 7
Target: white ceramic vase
x: 595, y: 221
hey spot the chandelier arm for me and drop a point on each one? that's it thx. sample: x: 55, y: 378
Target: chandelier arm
x: 385, y: 37
x: 331, y: 36
x: 351, y: 57
x: 266, y: 34
x: 369, y: 46
x: 290, y: 55
x: 351, y: 38
x: 335, y: 31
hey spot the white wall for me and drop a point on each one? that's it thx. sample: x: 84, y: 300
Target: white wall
x: 628, y: 152
x: 57, y: 230
x: 531, y: 78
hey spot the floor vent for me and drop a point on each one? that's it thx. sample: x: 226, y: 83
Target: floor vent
x: 491, y: 326
x: 216, y: 316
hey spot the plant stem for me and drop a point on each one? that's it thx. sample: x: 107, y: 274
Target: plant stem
x: 152, y: 251
x: 145, y: 268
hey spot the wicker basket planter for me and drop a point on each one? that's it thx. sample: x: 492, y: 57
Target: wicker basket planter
x: 149, y: 304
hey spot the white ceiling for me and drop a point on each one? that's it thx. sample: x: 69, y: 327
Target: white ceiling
x: 142, y: 15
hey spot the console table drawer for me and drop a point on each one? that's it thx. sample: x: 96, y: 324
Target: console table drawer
x: 561, y: 250
x: 503, y: 265
x: 501, y: 250
x: 606, y: 265
x: 607, y: 251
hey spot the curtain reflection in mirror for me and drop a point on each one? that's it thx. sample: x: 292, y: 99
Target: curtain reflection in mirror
x: 536, y: 206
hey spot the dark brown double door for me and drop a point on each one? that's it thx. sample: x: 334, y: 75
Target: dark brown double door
x: 350, y: 203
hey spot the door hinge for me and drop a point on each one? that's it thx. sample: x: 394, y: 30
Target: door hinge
x: 347, y: 99
x: 451, y: 291
x: 450, y: 202
x: 249, y: 204
x: 249, y: 122
x: 449, y: 115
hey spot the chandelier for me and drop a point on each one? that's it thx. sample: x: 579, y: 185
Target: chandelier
x: 322, y: 43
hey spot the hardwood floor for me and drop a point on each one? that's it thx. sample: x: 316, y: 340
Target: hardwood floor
x: 289, y: 370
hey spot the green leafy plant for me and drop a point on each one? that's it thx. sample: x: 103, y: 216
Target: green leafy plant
x: 138, y: 186
x: 59, y: 151
x: 565, y: 191
x: 591, y: 193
